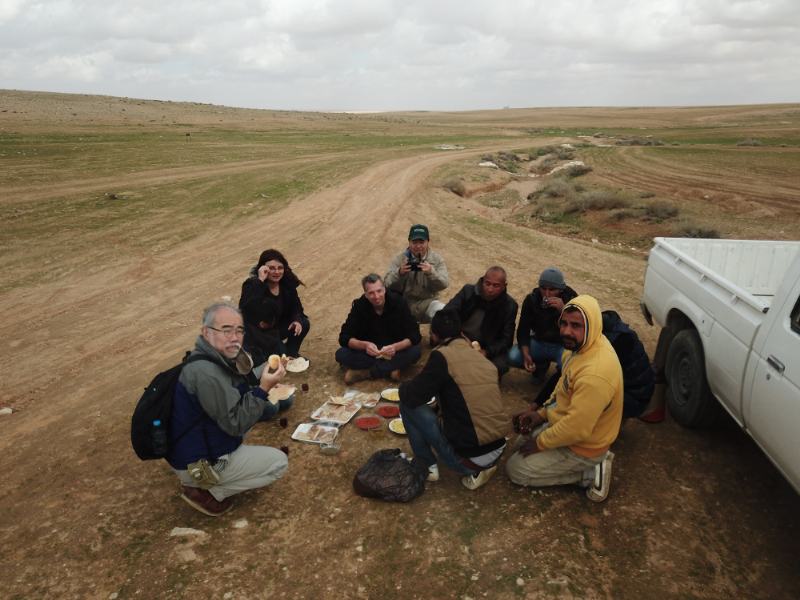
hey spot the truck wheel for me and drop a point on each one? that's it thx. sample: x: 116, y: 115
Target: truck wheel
x: 689, y: 399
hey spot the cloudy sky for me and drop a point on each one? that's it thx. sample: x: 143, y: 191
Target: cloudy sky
x: 407, y: 54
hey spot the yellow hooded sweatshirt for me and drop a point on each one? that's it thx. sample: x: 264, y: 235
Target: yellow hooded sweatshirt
x: 585, y: 410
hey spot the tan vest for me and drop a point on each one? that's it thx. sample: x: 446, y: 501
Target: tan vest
x: 476, y: 377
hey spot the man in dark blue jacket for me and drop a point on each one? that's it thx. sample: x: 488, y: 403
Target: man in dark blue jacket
x: 380, y: 336
x: 214, y: 409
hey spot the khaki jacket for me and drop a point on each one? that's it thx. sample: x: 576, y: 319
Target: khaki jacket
x: 418, y: 289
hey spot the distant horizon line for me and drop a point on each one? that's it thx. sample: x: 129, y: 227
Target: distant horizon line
x: 406, y: 110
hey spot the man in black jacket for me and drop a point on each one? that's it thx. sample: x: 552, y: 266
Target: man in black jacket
x: 380, y: 336
x: 538, y: 333
x: 487, y: 316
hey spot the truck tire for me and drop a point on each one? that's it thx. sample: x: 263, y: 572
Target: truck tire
x: 689, y: 398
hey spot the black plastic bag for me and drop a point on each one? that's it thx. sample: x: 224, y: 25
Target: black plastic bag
x: 388, y: 476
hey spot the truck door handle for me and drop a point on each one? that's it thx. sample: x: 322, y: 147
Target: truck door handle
x: 776, y: 364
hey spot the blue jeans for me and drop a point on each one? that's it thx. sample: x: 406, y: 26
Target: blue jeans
x: 378, y: 367
x: 270, y: 410
x: 422, y: 428
x: 542, y: 354
x: 293, y: 341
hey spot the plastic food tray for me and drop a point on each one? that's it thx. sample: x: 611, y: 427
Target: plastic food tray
x: 317, y: 416
x: 304, y: 427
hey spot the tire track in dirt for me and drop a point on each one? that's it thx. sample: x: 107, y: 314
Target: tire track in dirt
x: 631, y: 167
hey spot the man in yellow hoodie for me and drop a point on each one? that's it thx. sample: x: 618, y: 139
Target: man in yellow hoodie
x: 568, y: 440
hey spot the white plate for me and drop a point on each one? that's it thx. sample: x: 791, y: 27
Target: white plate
x: 387, y: 391
x: 304, y: 427
x: 393, y: 425
x: 432, y: 400
x: 319, y: 417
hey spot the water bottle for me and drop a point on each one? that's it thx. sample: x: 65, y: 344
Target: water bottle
x: 159, y: 438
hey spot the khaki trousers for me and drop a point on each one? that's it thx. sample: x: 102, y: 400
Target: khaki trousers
x: 550, y: 467
x: 246, y: 468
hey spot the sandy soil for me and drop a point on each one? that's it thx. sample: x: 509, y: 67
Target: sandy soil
x: 692, y: 514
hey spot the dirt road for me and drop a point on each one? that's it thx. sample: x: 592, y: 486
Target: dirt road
x: 691, y: 514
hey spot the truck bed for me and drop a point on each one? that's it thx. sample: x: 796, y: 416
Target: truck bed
x: 755, y: 268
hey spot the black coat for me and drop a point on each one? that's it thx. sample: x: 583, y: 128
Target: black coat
x: 541, y: 323
x: 253, y: 287
x: 396, y: 318
x: 497, y: 328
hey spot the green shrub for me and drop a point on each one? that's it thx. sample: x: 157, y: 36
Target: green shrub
x: 748, y: 142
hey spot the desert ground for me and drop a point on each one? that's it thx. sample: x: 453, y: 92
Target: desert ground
x: 122, y: 219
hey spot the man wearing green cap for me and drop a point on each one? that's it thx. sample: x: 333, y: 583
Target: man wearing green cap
x: 419, y: 274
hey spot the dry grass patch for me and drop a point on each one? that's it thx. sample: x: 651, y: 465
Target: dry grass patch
x: 660, y: 209
x: 455, y: 185
x: 748, y: 142
x: 686, y: 227
x: 577, y: 170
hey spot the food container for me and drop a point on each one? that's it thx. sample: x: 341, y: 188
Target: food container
x: 396, y: 425
x: 336, y: 413
x: 330, y: 448
x: 320, y: 435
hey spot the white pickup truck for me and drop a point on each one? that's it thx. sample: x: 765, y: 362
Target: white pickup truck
x: 730, y: 317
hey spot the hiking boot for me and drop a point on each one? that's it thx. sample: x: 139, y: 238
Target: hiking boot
x: 473, y: 482
x: 203, y: 501
x: 354, y: 375
x: 395, y: 375
x: 598, y: 490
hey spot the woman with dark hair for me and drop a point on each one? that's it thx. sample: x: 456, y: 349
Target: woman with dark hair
x: 261, y: 340
x: 273, y: 278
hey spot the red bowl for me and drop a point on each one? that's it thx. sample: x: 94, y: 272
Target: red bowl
x: 389, y: 412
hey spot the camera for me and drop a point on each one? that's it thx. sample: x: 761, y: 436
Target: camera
x: 414, y: 263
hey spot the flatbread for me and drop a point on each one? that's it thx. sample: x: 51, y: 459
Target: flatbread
x: 297, y: 365
x: 282, y: 393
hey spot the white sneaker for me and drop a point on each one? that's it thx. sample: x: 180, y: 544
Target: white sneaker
x: 598, y: 491
x: 473, y: 482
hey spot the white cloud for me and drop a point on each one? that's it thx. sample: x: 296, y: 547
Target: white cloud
x: 394, y: 54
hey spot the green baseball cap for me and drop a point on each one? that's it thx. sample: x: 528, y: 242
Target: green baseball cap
x: 418, y: 232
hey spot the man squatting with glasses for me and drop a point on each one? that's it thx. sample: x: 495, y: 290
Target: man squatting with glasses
x: 217, y: 401
x: 568, y: 440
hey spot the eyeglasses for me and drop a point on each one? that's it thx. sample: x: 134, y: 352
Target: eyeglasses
x: 230, y: 332
x: 275, y: 268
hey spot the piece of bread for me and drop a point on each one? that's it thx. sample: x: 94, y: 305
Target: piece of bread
x: 476, y: 345
x: 274, y: 361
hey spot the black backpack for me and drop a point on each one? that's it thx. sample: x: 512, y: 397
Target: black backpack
x: 156, y: 405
